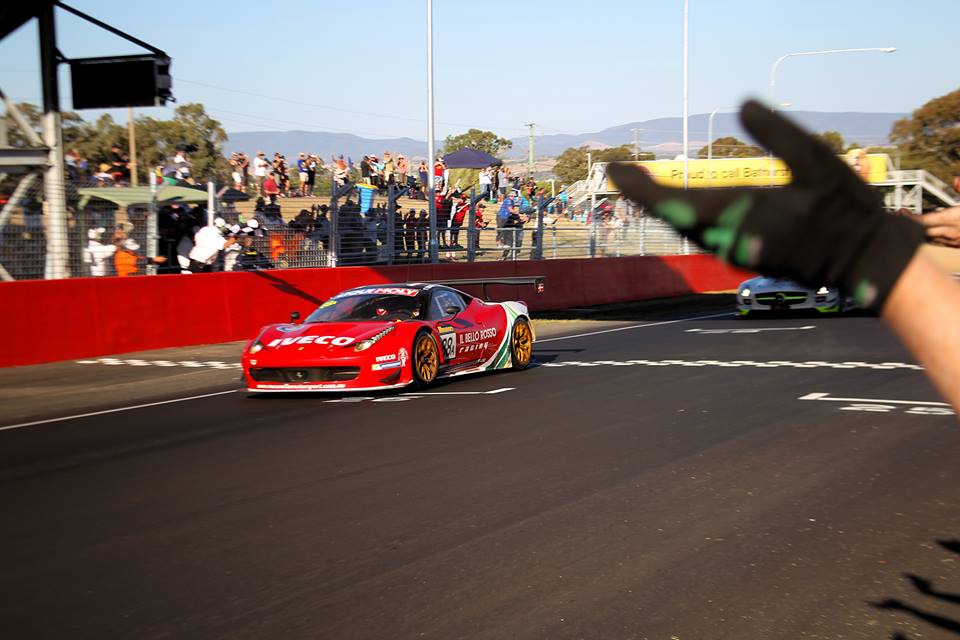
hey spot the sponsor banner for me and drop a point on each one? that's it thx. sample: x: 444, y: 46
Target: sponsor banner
x: 301, y: 340
x: 871, y: 167
x: 480, y: 334
x: 379, y: 291
x: 329, y: 386
x: 386, y: 358
x: 380, y: 366
x: 748, y: 172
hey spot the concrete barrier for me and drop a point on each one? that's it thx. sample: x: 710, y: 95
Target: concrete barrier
x: 50, y: 320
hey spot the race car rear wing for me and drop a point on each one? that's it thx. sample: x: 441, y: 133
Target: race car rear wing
x: 539, y: 282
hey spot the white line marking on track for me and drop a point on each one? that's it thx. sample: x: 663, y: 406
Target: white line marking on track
x: 99, y: 413
x: 748, y: 330
x: 191, y: 364
x: 826, y: 398
x: 811, y: 364
x: 459, y: 393
x: 637, y: 326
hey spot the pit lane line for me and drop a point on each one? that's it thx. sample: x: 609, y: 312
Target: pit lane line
x: 638, y: 326
x: 117, y: 410
x: 220, y: 393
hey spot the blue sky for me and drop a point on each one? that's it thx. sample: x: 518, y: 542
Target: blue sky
x: 570, y: 67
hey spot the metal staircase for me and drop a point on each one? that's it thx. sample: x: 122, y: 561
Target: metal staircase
x: 905, y: 189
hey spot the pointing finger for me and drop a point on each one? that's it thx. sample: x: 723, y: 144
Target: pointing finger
x: 810, y: 160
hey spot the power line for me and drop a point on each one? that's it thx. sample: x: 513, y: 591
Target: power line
x: 329, y: 107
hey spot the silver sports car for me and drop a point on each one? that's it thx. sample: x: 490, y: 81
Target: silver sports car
x: 764, y: 293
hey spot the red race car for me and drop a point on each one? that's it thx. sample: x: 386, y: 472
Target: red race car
x: 386, y: 336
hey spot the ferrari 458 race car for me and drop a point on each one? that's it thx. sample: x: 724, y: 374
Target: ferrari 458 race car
x: 386, y: 336
x: 764, y: 293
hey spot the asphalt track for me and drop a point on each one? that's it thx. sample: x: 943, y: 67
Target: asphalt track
x: 651, y: 478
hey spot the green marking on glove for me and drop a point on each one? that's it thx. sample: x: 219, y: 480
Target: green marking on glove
x: 677, y: 212
x: 865, y: 294
x: 721, y: 237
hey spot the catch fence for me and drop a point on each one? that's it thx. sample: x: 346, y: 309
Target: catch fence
x: 115, y: 231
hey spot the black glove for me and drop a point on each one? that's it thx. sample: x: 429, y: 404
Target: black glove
x: 827, y: 227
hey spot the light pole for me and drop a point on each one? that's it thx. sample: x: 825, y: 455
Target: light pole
x: 686, y: 141
x: 431, y: 202
x: 686, y: 136
x: 776, y: 65
x: 530, y: 149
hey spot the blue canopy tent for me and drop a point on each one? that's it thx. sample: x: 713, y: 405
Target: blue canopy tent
x: 470, y: 159
x: 465, y: 165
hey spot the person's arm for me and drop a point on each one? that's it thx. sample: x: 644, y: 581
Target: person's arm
x: 922, y: 309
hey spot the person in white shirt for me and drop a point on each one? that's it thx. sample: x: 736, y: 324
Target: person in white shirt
x: 231, y: 252
x: 182, y: 165
x: 97, y: 255
x: 208, y: 242
x: 260, y: 169
x: 486, y: 183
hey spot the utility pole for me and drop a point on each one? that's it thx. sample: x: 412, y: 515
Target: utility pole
x: 530, y: 157
x: 132, y: 134
x: 636, y: 144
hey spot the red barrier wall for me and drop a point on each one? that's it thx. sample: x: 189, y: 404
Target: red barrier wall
x: 49, y: 320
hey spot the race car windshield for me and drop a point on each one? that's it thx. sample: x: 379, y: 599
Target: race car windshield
x: 370, y: 308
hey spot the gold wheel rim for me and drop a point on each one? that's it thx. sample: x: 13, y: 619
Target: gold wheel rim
x: 427, y: 360
x: 522, y: 342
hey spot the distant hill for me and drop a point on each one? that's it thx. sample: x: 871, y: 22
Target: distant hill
x: 663, y: 136
x: 324, y: 144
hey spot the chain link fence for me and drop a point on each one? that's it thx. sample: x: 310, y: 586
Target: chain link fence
x: 113, y: 231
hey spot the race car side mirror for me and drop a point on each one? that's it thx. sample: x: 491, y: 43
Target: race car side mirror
x: 452, y: 310
x: 294, y: 317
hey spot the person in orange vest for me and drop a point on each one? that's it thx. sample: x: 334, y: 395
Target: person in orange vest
x: 126, y: 262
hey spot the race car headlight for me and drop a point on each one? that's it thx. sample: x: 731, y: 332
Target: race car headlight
x: 363, y: 345
x: 745, y: 292
x: 257, y: 346
x: 822, y: 291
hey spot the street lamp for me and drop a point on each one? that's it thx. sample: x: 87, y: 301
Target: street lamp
x: 776, y: 64
x: 773, y: 70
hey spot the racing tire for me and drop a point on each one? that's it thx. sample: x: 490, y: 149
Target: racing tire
x: 424, y: 360
x: 521, y: 344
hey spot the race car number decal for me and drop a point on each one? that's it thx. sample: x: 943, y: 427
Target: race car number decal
x: 448, y: 341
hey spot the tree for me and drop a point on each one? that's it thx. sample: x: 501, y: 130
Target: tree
x: 157, y: 140
x: 730, y: 147
x: 571, y: 165
x: 832, y: 139
x: 930, y: 138
x: 486, y: 141
x: 31, y: 113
